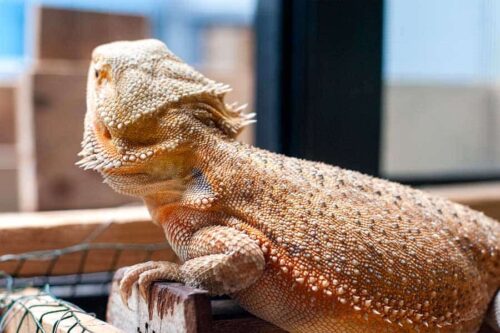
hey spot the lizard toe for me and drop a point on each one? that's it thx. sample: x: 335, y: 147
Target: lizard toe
x: 165, y: 271
x: 131, y: 276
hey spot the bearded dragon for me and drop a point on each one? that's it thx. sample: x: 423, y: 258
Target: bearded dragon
x: 307, y: 246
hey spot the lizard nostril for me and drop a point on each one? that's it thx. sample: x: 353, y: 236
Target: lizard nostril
x: 106, y: 133
x: 103, y: 130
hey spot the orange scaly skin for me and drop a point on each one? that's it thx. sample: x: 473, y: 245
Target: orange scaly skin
x: 307, y: 246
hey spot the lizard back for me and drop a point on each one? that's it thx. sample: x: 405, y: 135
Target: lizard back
x: 342, y: 239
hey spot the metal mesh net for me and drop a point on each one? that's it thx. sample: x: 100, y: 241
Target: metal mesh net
x: 20, y: 308
x: 51, y: 288
x: 50, y: 258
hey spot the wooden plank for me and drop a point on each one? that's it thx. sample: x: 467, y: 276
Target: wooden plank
x: 39, y: 231
x: 8, y: 190
x: 7, y: 112
x: 172, y: 308
x: 39, y: 305
x: 484, y: 197
x: 180, y: 309
x: 27, y: 184
x: 26, y: 232
x: 8, y: 158
x: 8, y: 154
x: 73, y: 34
x: 472, y: 193
x: 176, y: 308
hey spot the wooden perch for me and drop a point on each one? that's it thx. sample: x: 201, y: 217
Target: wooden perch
x: 484, y: 197
x: 174, y: 307
x: 25, y: 232
x: 31, y: 311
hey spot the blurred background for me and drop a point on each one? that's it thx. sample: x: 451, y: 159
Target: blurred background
x: 45, y: 48
x: 406, y: 90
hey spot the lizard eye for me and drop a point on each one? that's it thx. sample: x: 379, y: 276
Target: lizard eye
x: 101, y: 74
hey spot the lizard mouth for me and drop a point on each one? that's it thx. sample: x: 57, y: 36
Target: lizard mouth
x: 98, y: 151
x: 125, y: 171
x: 109, y: 154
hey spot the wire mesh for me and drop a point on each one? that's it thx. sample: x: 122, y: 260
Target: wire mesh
x: 22, y: 308
x: 66, y: 286
x: 52, y: 256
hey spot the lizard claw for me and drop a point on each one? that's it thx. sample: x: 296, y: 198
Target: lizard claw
x: 145, y: 274
x: 147, y: 278
x: 130, y: 277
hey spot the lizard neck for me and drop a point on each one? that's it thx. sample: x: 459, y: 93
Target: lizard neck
x: 190, y: 177
x: 172, y: 177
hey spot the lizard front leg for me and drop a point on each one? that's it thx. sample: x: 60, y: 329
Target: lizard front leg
x: 220, y: 259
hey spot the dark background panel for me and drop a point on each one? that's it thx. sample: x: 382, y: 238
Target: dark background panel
x: 319, y: 77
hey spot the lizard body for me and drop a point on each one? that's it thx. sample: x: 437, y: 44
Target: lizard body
x: 307, y: 246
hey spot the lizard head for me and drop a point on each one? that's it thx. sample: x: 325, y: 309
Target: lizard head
x: 145, y: 109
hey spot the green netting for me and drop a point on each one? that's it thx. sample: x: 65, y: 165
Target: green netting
x: 12, y: 300
x: 51, y: 257
x: 10, y: 282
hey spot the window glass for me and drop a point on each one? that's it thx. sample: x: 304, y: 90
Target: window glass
x: 442, y: 97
